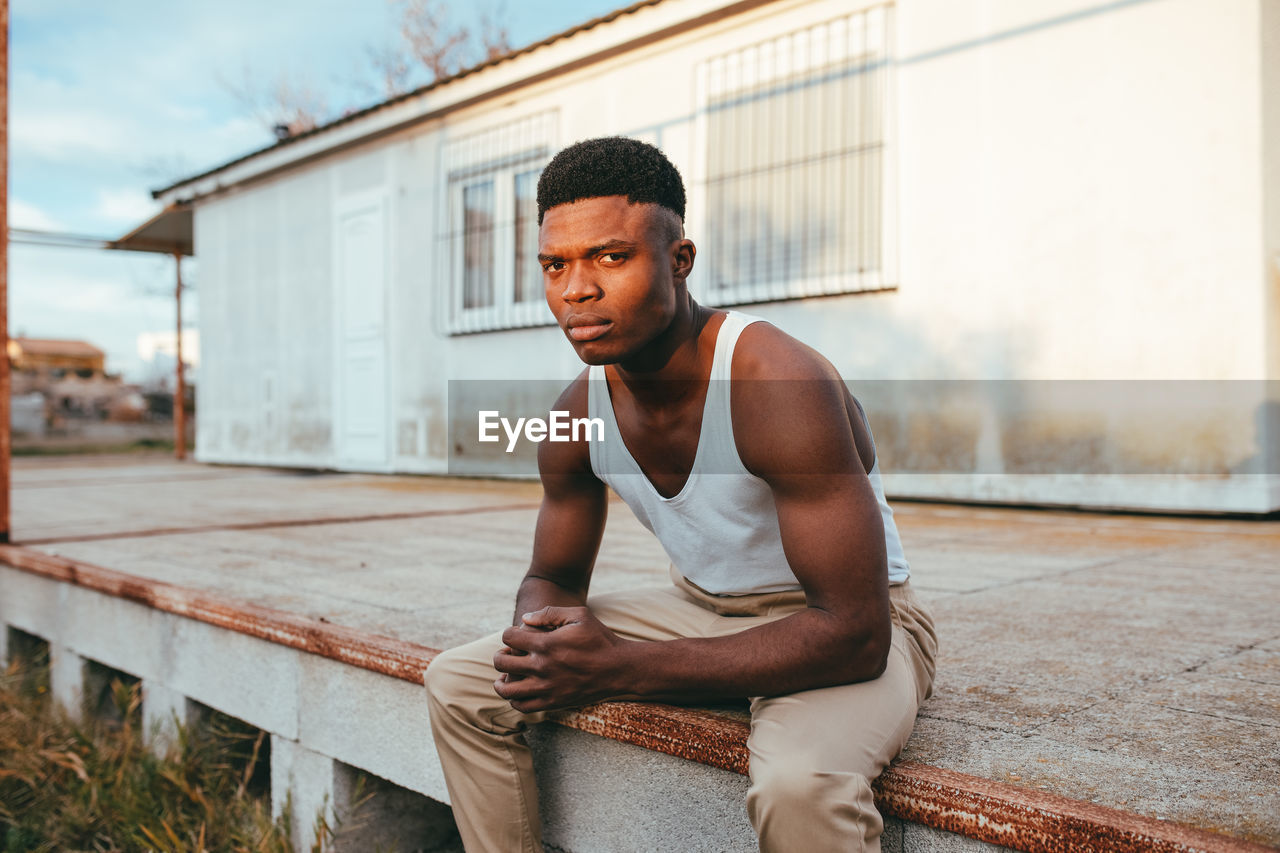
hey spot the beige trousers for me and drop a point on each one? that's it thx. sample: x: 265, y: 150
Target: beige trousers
x: 813, y: 753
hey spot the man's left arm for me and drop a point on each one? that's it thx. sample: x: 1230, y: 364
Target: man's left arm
x: 795, y: 430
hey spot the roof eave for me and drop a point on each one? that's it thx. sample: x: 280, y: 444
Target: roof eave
x: 169, y: 232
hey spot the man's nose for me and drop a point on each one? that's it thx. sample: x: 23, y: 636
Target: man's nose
x: 579, y: 284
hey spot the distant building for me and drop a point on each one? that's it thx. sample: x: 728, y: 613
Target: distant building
x: 1011, y: 227
x: 53, y: 359
x: 71, y: 378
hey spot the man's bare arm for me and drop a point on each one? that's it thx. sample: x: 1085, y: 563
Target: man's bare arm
x: 794, y: 431
x: 570, y: 520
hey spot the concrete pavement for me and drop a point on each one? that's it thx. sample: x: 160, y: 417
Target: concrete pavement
x: 1129, y: 661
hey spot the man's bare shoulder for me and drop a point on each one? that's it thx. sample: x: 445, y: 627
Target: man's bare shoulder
x: 571, y: 457
x: 792, y: 410
x: 573, y: 398
x: 766, y: 352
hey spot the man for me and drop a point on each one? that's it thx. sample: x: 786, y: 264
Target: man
x: 743, y: 451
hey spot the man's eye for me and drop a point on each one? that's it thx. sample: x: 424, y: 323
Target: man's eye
x: 614, y: 257
x: 553, y: 266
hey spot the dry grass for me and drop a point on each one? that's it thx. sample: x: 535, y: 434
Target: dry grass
x: 68, y: 786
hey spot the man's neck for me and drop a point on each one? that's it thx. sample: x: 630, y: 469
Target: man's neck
x: 677, y: 362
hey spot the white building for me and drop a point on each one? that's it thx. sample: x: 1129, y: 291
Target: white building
x: 1009, y: 194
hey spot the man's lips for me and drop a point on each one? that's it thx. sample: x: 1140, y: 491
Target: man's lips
x: 587, y: 327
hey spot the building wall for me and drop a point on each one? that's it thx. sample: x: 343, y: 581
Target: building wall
x: 1074, y: 191
x: 1080, y: 200
x: 266, y: 380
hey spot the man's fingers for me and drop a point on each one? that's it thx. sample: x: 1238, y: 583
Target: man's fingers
x: 553, y: 617
x: 522, y: 689
x: 531, y: 707
x: 521, y: 639
x: 514, y: 664
x: 525, y: 699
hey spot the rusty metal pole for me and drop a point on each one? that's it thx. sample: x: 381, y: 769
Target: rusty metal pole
x: 5, y: 423
x: 180, y: 387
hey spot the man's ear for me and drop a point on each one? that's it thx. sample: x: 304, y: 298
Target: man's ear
x: 682, y: 255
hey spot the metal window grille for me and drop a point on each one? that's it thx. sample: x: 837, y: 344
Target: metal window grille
x: 477, y: 239
x: 795, y: 147
x: 527, y: 269
x: 491, y: 242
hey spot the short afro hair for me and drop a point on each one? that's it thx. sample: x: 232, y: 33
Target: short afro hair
x: 611, y: 165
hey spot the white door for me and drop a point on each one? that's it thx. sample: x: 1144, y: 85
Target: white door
x: 360, y: 271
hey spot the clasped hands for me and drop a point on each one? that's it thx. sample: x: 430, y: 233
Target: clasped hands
x: 558, y: 657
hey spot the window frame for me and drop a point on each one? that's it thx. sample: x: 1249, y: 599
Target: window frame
x: 818, y: 64
x: 498, y: 154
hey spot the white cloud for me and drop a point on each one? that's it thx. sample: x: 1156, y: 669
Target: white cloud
x: 127, y: 206
x: 57, y: 135
x: 51, y: 119
x: 25, y: 215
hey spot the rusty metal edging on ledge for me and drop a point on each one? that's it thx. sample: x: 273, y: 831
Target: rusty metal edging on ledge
x: 983, y: 809
x: 384, y: 655
x: 1031, y: 820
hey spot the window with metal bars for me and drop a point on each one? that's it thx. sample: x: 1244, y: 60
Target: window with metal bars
x: 492, y: 241
x: 795, y: 136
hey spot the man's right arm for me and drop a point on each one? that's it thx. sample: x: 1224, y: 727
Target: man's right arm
x: 570, y: 521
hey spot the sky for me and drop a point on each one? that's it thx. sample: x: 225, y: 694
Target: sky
x: 108, y: 101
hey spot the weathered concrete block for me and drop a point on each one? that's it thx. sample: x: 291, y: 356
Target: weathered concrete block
x: 602, y: 796
x: 29, y: 602
x: 66, y: 679
x: 163, y: 710
x: 250, y: 679
x: 917, y: 838
x: 119, y: 633
x: 370, y: 721
x: 302, y: 780
x: 891, y: 838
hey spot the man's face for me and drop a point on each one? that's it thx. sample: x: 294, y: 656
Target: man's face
x: 610, y: 269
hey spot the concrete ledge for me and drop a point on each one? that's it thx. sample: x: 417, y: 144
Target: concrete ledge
x: 379, y: 654
x: 979, y: 809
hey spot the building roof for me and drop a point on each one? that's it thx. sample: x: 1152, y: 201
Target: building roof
x: 52, y: 346
x: 435, y: 84
x: 169, y: 232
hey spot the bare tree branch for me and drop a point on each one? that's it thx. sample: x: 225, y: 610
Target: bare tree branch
x: 426, y: 47
x: 424, y: 26
x: 283, y: 105
x: 296, y: 106
x: 392, y: 69
x: 495, y: 41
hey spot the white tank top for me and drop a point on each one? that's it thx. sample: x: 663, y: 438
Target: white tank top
x: 721, y: 530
